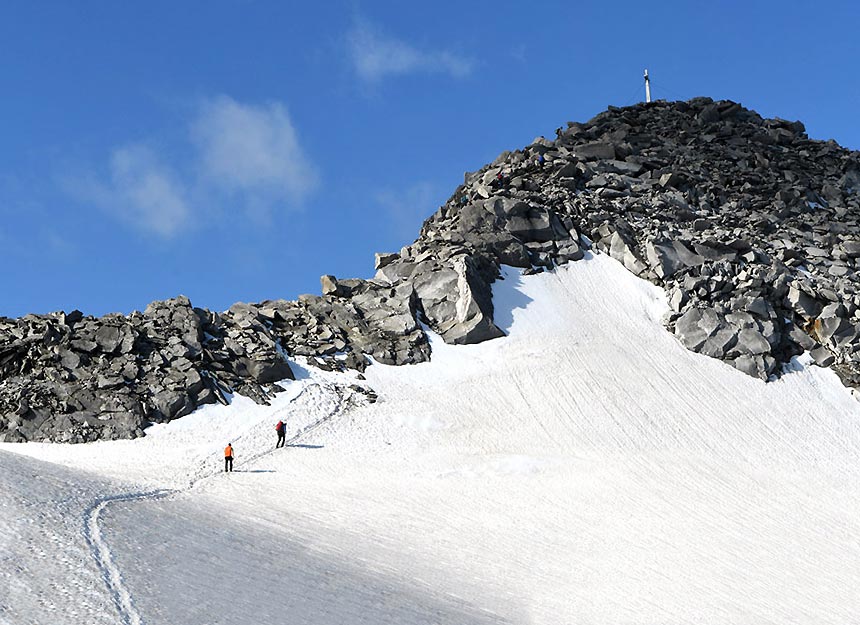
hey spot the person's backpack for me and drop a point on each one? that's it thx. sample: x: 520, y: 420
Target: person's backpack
x: 280, y: 426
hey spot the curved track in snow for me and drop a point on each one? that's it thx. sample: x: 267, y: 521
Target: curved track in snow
x: 101, y: 553
x: 100, y: 550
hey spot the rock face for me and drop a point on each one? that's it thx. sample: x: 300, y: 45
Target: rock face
x: 750, y: 226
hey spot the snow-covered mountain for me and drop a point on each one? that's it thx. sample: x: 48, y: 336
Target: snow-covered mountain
x: 496, y: 428
x: 749, y: 225
x: 586, y: 468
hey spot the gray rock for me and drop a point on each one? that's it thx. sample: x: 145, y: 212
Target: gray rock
x: 569, y: 251
x: 751, y: 365
x: 822, y: 356
x: 826, y: 328
x: 688, y: 330
x: 802, y: 303
x: 329, y: 285
x: 752, y: 342
x: 70, y: 359
x: 171, y: 404
x: 622, y: 250
x: 594, y: 151
x: 268, y: 370
x: 677, y: 299
x: 108, y: 338
x: 84, y: 345
x: 663, y: 258
x: 383, y: 260
x: 851, y: 248
x: 719, y: 343
x: 458, y: 303
x: 800, y: 337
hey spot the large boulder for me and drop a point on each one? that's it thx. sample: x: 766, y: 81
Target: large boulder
x: 457, y: 302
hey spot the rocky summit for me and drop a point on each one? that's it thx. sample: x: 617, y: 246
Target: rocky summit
x: 750, y: 226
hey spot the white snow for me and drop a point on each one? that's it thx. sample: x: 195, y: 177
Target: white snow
x: 586, y: 468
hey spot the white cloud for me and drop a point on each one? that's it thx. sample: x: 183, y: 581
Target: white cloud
x: 244, y: 156
x: 376, y: 56
x: 252, y: 150
x: 139, y: 190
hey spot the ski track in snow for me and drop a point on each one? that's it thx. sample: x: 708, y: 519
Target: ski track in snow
x: 99, y: 548
x: 103, y: 557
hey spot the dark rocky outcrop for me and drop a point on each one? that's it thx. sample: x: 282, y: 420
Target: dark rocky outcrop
x: 750, y: 226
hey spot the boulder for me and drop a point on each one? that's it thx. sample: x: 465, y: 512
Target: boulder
x: 689, y: 331
x: 108, y: 338
x: 622, y: 250
x: 719, y: 343
x: 70, y: 359
x: 329, y: 285
x: 663, y: 258
x: 802, y: 303
x: 754, y: 366
x: 383, y: 260
x: 264, y: 370
x: 752, y: 342
x: 822, y: 356
x: 171, y: 404
x: 458, y: 302
x: 594, y: 151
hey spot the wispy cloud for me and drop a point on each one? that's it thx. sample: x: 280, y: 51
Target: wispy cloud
x: 376, y: 56
x: 244, y: 155
x: 139, y: 190
x: 252, y: 150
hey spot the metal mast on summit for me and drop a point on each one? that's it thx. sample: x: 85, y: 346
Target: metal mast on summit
x: 647, y: 87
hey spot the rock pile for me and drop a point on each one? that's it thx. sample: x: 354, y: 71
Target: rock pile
x: 70, y: 378
x: 750, y: 226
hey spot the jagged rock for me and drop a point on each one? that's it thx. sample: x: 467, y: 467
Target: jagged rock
x: 802, y: 303
x: 329, y: 285
x: 719, y: 343
x: 593, y: 151
x: 689, y: 331
x: 623, y: 250
x: 383, y: 260
x: 822, y: 356
x: 537, y: 224
x: 70, y: 359
x: 569, y: 251
x: 824, y: 329
x: 751, y: 365
x: 663, y: 258
x: 752, y: 342
x: 457, y: 302
x: 270, y: 370
x: 171, y: 404
x: 84, y: 345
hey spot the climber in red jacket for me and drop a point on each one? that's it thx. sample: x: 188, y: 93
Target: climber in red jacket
x: 280, y: 428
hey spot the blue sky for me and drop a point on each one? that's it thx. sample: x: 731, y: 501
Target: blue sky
x: 237, y: 150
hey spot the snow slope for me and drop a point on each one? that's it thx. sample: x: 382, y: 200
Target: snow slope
x: 587, y: 469
x: 47, y: 574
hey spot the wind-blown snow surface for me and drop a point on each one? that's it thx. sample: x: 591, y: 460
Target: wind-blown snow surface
x: 586, y: 469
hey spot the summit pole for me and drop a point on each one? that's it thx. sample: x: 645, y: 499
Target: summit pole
x: 647, y: 87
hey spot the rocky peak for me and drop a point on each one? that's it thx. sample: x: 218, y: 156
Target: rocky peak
x: 750, y: 226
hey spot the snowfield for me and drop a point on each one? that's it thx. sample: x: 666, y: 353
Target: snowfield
x: 585, y: 469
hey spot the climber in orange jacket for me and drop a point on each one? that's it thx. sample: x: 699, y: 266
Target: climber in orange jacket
x: 228, y: 458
